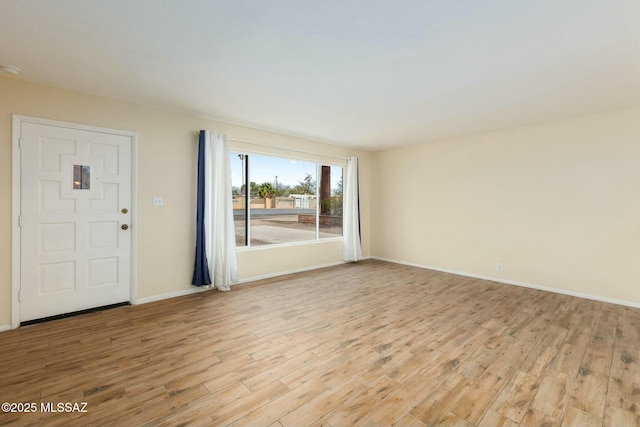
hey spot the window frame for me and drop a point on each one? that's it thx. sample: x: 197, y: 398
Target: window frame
x: 319, y: 161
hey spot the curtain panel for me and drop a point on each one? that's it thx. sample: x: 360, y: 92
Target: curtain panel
x: 352, y: 249
x: 216, y: 263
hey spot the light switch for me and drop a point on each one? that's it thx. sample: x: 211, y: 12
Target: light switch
x: 158, y: 201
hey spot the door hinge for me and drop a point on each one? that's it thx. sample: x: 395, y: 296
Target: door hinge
x: 20, y: 143
x: 19, y: 295
x: 19, y: 220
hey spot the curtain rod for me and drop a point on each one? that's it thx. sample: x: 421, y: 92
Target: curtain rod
x: 259, y: 144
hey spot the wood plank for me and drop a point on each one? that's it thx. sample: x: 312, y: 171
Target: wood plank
x: 356, y: 410
x: 597, y: 357
x: 449, y: 391
x: 577, y: 418
x: 617, y: 417
x: 401, y: 400
x: 282, y: 405
x: 624, y: 391
x: 493, y: 419
x: 552, y: 396
x: 569, y: 356
x: 514, y: 400
x: 606, y: 325
x: 589, y: 394
x: 452, y: 420
x: 536, y: 417
x: 323, y: 404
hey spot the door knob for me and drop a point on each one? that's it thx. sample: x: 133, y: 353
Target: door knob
x: 124, y: 226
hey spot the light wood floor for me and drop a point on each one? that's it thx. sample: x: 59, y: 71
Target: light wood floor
x: 368, y: 344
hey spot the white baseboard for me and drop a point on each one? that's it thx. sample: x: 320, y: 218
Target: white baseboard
x: 517, y: 283
x: 195, y: 290
x: 5, y: 328
x: 168, y: 295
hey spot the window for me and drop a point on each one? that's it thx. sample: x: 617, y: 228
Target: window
x: 288, y: 200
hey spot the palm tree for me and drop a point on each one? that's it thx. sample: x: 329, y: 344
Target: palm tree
x: 266, y: 190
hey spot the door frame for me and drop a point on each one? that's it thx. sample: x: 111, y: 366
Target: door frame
x: 16, y: 197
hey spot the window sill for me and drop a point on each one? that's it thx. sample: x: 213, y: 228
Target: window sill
x: 289, y: 244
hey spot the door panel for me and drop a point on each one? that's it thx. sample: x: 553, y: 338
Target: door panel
x: 74, y: 253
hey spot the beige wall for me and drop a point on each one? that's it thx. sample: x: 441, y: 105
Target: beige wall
x: 166, y: 157
x: 557, y: 204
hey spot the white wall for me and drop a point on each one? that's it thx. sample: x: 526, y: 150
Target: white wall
x: 167, y: 153
x: 558, y: 204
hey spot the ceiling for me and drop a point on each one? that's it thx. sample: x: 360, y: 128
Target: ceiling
x: 372, y: 74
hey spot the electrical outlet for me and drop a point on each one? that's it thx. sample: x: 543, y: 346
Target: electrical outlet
x: 158, y: 201
x: 499, y: 266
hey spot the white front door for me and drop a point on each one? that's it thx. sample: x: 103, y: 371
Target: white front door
x: 75, y: 210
